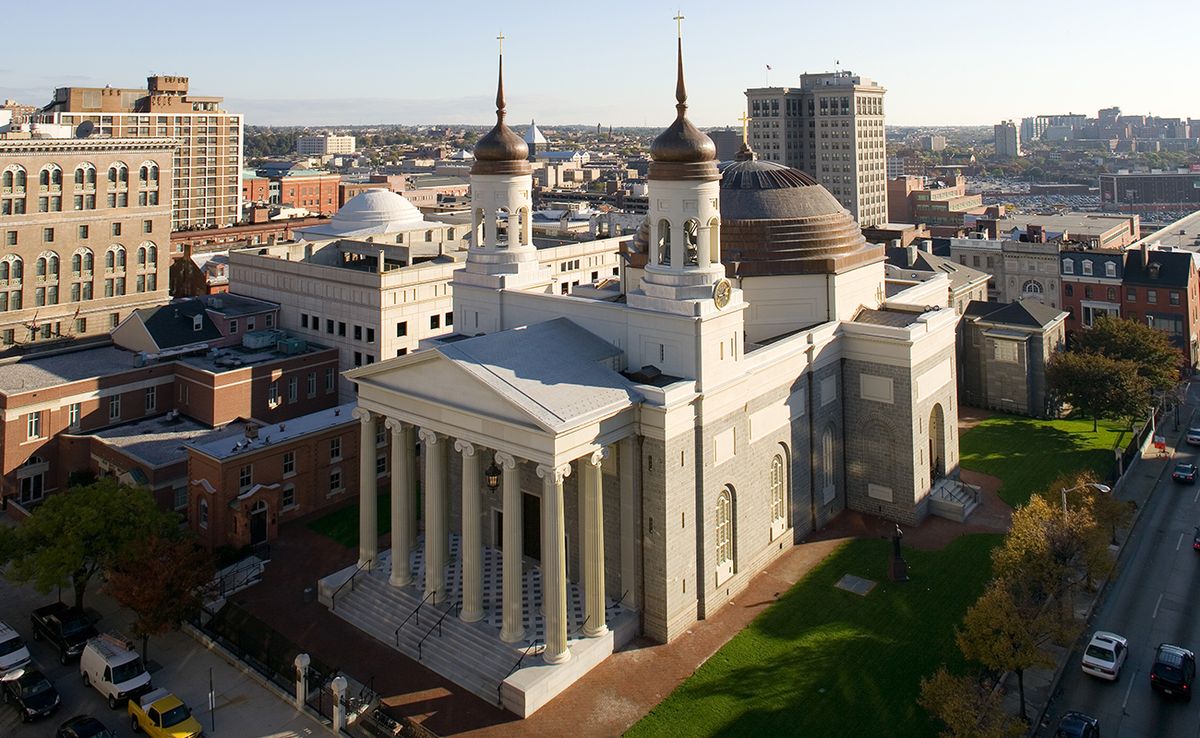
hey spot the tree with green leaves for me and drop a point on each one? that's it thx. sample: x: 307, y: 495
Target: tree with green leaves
x: 968, y: 708
x: 160, y: 578
x: 73, y: 536
x: 1098, y: 386
x: 1149, y: 349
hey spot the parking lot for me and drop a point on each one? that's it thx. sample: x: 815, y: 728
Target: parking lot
x: 244, y: 708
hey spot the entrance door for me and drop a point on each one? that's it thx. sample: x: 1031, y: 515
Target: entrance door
x: 258, y: 523
x: 531, y: 511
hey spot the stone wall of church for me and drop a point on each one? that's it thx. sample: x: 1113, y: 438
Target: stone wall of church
x: 882, y: 447
x: 669, y: 536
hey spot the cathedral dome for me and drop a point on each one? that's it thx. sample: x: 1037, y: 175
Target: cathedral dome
x: 683, y: 151
x: 779, y: 220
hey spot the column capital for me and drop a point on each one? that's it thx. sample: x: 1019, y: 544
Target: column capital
x: 506, y: 461
x: 394, y: 425
x: 598, y: 456
x: 428, y: 436
x: 558, y: 473
x: 466, y: 447
x: 363, y: 415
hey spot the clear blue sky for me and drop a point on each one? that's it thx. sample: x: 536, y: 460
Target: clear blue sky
x: 390, y: 61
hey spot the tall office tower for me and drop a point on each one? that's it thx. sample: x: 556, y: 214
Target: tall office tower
x: 207, y: 189
x: 324, y: 144
x: 1008, y: 140
x: 86, y: 228
x: 832, y: 128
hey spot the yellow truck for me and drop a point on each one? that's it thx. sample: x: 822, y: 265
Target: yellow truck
x: 160, y: 714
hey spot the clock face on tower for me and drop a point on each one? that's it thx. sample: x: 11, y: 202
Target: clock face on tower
x: 722, y: 291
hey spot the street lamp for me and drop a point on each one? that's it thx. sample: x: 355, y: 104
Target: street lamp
x: 1103, y: 488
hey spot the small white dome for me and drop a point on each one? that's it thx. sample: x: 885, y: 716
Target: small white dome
x: 377, y: 207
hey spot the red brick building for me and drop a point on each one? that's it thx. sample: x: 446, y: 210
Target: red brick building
x: 1161, y: 289
x: 246, y: 481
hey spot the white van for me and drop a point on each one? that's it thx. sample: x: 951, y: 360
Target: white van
x: 13, y: 652
x: 110, y: 664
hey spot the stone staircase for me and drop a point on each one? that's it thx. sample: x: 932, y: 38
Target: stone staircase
x: 953, y: 499
x: 469, y: 654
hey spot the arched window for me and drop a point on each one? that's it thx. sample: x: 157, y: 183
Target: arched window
x: 143, y: 174
x: 141, y: 256
x: 152, y: 256
x: 203, y: 513
x: 828, y: 465
x: 120, y: 258
x: 1032, y: 287
x: 88, y: 260
x: 714, y: 241
x: 13, y: 177
x: 691, y: 242
x: 112, y: 175
x: 110, y: 259
x: 40, y: 267
x: 76, y: 263
x: 664, y: 242
x: 153, y: 174
x: 4, y: 270
x: 778, y: 489
x: 724, y: 530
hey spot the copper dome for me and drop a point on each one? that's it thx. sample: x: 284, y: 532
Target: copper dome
x: 778, y: 220
x: 501, y: 151
x: 682, y: 151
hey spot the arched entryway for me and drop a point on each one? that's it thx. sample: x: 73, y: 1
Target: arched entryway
x: 937, y: 443
x: 258, y: 523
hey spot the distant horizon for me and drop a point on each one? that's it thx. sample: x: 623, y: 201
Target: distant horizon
x: 621, y: 72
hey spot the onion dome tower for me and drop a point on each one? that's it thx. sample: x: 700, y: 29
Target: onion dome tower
x: 683, y: 272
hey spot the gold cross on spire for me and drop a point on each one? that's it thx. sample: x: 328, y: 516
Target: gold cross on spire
x: 678, y: 23
x: 500, y: 38
x: 745, y: 119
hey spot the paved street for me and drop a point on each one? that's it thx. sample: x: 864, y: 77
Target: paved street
x: 245, y: 709
x: 1151, y: 601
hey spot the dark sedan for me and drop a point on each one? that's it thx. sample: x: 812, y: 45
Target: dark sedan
x: 1078, y: 725
x: 31, y: 693
x: 84, y: 726
x: 1184, y: 473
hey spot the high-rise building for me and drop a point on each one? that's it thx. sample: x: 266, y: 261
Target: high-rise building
x: 323, y: 144
x: 1008, y: 140
x: 831, y: 127
x: 86, y: 229
x: 207, y: 187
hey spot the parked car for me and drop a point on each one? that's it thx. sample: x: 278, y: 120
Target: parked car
x: 1173, y: 671
x: 31, y: 693
x: 110, y: 664
x: 1184, y: 473
x: 1196, y: 539
x: 1193, y: 437
x: 1104, y: 655
x: 13, y: 652
x: 84, y: 726
x: 1077, y: 725
x: 67, y: 628
x: 162, y: 715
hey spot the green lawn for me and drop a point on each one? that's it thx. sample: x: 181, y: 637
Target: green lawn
x: 1028, y: 454
x: 824, y: 662
x: 342, y: 524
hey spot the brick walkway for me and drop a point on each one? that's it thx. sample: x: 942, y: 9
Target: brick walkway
x: 610, y: 698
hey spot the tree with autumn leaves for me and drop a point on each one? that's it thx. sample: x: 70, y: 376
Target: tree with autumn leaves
x: 1058, y: 541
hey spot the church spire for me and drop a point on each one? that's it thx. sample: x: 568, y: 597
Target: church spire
x: 499, y: 150
x: 680, y: 88
x: 682, y: 142
x: 500, y: 108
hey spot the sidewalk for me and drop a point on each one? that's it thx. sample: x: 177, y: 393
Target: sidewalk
x: 177, y: 662
x: 1139, y: 482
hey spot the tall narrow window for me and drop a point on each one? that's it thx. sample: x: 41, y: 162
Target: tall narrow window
x: 724, y: 531
x: 778, y: 499
x: 664, y: 243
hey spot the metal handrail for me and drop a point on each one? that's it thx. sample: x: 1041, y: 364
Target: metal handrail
x: 333, y: 598
x: 456, y: 607
x: 416, y: 611
x: 500, y: 687
x: 623, y: 596
x: 582, y: 625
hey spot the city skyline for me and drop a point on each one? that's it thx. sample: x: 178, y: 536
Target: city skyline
x: 368, y: 73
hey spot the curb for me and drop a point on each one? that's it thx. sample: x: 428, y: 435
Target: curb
x: 236, y: 663
x: 1036, y: 724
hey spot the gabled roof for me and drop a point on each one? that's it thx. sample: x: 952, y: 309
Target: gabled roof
x: 552, y: 375
x: 960, y: 275
x: 173, y: 325
x: 1174, y: 268
x: 1025, y: 313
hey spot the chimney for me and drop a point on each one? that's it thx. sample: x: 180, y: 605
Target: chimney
x: 927, y: 245
x: 251, y: 431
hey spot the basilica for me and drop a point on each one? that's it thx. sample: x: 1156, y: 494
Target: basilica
x: 572, y: 471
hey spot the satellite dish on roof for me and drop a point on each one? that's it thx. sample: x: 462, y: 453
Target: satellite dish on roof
x: 85, y: 129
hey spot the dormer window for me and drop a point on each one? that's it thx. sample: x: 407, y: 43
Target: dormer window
x: 1087, y: 266
x: 197, y: 322
x: 1068, y: 266
x: 1110, y: 269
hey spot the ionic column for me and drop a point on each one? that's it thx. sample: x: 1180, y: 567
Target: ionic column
x: 368, y: 489
x: 554, y: 563
x: 591, y: 484
x: 435, y: 519
x: 472, y: 537
x: 402, y: 491
x: 410, y: 472
x: 627, y: 465
x: 513, y: 624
